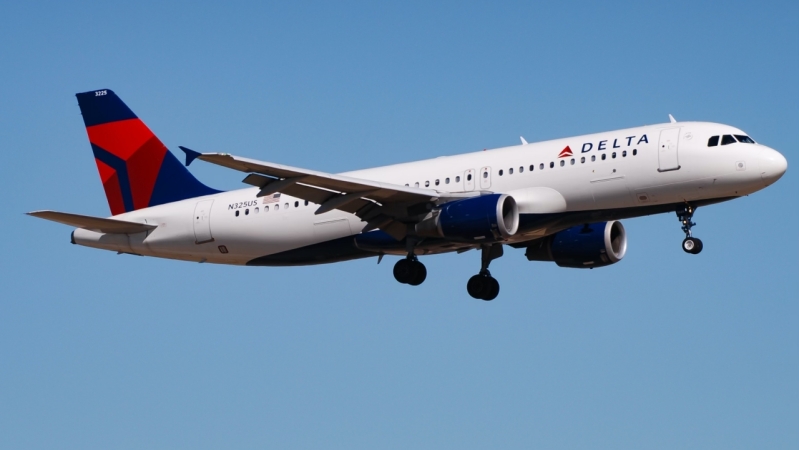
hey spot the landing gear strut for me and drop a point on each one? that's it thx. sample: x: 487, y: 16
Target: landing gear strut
x: 483, y: 286
x: 690, y: 244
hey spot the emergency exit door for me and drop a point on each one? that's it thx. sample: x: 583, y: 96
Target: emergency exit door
x: 667, y: 150
x: 202, y: 222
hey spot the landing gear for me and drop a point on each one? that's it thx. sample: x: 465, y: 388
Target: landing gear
x: 690, y: 244
x: 483, y: 286
x: 410, y: 271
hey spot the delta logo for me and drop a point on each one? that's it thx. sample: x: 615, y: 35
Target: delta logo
x: 566, y: 152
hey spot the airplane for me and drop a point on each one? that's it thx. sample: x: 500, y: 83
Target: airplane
x: 560, y: 200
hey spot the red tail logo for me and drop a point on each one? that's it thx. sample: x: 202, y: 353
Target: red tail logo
x: 566, y: 152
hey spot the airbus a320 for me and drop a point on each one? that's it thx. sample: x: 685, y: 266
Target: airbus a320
x: 559, y: 200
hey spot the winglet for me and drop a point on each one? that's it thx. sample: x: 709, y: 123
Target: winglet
x: 672, y: 119
x: 524, y: 141
x: 191, y: 155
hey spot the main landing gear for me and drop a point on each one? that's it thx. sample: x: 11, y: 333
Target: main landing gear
x: 690, y: 244
x: 410, y: 270
x: 483, y: 286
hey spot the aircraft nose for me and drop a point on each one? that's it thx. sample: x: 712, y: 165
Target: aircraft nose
x: 773, y: 166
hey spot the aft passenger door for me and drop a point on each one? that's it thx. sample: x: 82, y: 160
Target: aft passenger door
x: 667, y: 150
x: 202, y: 222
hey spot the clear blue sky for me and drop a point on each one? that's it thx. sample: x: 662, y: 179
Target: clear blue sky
x: 663, y: 350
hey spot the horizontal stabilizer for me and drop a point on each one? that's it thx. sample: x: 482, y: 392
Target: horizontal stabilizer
x: 97, y: 224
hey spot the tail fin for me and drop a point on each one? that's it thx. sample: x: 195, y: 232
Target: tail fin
x: 136, y: 169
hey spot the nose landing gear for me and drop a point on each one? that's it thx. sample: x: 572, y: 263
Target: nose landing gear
x: 690, y: 244
x: 483, y: 286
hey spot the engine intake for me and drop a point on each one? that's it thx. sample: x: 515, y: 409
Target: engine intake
x: 582, y: 247
x: 486, y: 218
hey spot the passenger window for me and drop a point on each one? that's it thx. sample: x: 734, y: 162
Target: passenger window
x: 256, y: 210
x: 247, y: 212
x: 713, y: 141
x: 572, y: 161
x: 437, y: 182
x: 604, y: 155
x: 613, y: 155
x: 266, y: 208
x: 458, y: 179
x: 532, y: 167
x: 541, y: 166
x: 500, y: 172
x: 416, y: 184
x: 551, y: 164
x: 296, y: 204
x: 237, y: 213
x: 562, y: 163
x: 727, y: 139
x: 286, y: 206
x: 593, y: 158
x: 635, y: 151
x: 624, y: 154
x: 521, y: 169
x: 469, y: 177
x: 446, y: 181
x: 306, y: 201
x: 485, y: 174
x: 277, y: 206
x: 510, y: 171
x: 744, y: 139
x: 426, y: 184
x: 406, y: 184
x: 582, y: 160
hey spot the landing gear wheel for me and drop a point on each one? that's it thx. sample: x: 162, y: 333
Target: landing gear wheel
x: 483, y: 287
x: 692, y: 245
x: 419, y: 273
x: 408, y: 271
x: 493, y: 289
x: 403, y: 270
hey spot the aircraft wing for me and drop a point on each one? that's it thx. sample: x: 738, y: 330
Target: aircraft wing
x: 97, y: 224
x: 380, y: 204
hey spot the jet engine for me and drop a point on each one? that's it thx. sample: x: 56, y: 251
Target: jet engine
x: 486, y: 218
x: 585, y: 246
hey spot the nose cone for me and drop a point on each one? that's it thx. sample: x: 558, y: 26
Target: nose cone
x: 772, y: 166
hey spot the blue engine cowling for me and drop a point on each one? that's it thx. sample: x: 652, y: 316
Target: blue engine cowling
x: 582, y: 247
x: 485, y: 218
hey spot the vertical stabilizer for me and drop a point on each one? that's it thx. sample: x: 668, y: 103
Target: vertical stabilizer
x: 135, y: 167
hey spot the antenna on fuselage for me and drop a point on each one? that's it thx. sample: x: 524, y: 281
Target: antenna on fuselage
x: 672, y: 119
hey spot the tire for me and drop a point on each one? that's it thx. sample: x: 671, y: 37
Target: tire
x: 492, y: 289
x: 419, y: 273
x: 476, y: 286
x: 692, y: 245
x: 403, y: 271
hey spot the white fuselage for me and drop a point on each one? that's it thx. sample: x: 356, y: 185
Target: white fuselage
x: 651, y: 165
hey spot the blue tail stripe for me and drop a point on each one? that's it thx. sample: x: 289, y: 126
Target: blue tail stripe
x: 121, y: 168
x: 102, y: 106
x: 175, y: 183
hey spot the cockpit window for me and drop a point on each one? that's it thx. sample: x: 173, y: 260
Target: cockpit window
x: 744, y: 139
x: 727, y: 139
x: 713, y: 141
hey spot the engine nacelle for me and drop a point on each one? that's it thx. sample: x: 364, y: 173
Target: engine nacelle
x: 486, y: 218
x: 582, y: 247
